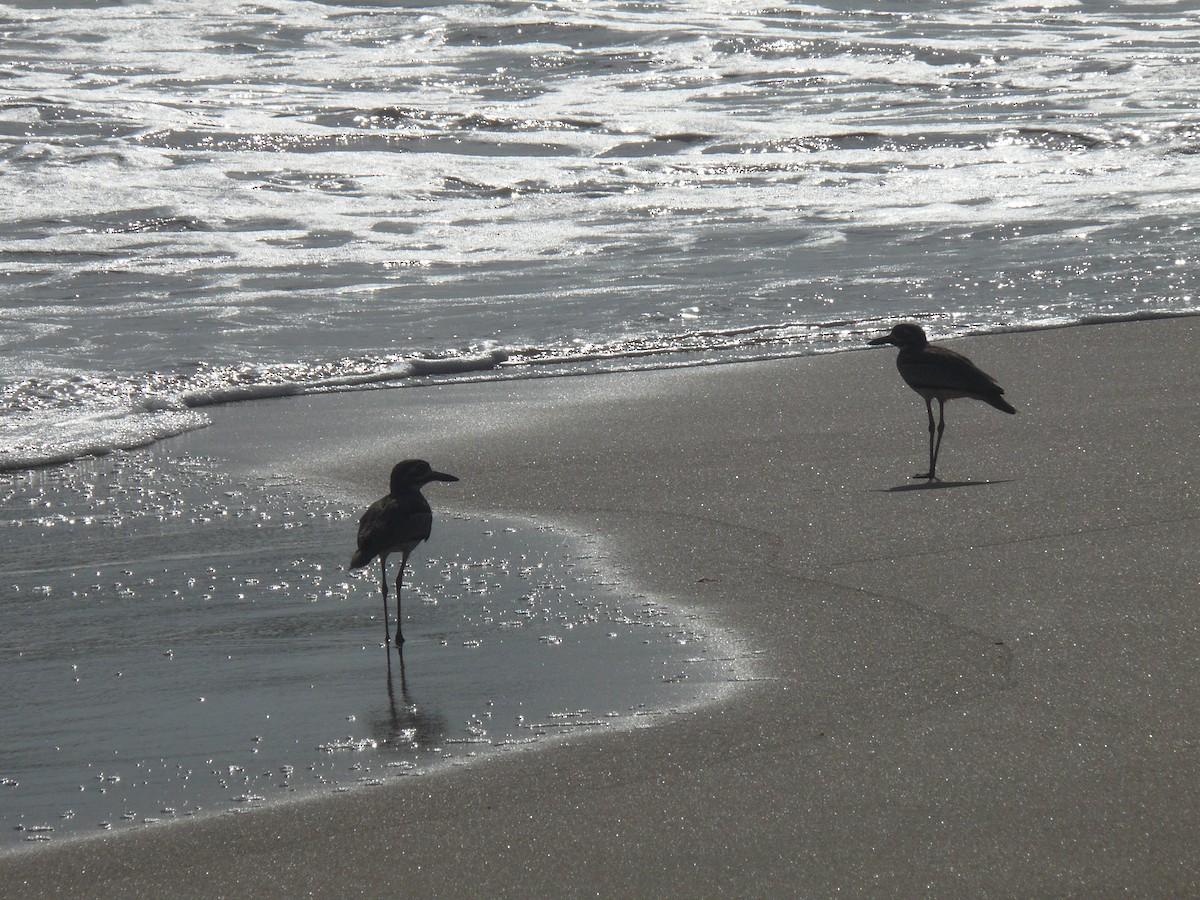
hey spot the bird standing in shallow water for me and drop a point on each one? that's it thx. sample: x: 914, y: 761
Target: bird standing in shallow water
x: 396, y: 524
x: 939, y: 374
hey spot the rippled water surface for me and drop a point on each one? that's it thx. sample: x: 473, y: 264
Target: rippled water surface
x: 204, y: 203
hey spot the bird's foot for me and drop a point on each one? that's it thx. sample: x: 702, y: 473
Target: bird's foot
x: 928, y: 475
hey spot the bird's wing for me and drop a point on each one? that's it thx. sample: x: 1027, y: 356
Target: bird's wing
x: 939, y: 369
x: 388, y: 524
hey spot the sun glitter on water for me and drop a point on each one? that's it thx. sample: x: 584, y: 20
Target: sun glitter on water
x: 178, y: 645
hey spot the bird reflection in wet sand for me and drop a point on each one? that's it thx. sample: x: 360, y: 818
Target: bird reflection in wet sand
x: 939, y: 374
x: 405, y: 725
x: 396, y: 523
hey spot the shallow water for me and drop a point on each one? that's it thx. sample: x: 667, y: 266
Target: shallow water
x: 179, y: 643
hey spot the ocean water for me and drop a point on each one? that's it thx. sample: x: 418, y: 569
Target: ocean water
x: 244, y: 200
x: 213, y: 203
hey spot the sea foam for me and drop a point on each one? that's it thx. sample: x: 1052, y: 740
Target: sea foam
x: 71, y: 418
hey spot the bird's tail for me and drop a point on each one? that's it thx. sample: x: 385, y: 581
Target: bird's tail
x: 359, y: 559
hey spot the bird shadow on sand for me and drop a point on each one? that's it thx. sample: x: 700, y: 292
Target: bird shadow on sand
x: 936, y: 485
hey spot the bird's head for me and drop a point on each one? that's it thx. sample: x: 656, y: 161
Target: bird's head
x: 906, y: 334
x: 413, y: 473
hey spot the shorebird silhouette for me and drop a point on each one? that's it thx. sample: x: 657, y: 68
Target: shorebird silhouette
x: 396, y: 524
x: 939, y: 374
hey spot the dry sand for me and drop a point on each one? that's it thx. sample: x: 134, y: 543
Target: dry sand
x: 986, y: 687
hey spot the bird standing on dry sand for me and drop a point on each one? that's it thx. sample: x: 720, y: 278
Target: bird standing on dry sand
x: 396, y: 524
x: 939, y: 374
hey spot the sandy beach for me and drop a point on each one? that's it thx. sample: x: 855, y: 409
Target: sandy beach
x: 982, y: 687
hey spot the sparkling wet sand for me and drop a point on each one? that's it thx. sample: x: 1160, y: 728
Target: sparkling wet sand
x: 985, y: 687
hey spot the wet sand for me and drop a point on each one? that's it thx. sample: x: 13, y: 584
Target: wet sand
x: 983, y: 687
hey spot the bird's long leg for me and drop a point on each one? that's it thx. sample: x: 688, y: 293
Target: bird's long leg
x: 399, y: 585
x: 932, y: 429
x: 941, y: 428
x: 383, y: 584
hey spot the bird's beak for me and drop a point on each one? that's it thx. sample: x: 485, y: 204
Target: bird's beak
x: 441, y: 476
x: 886, y: 339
